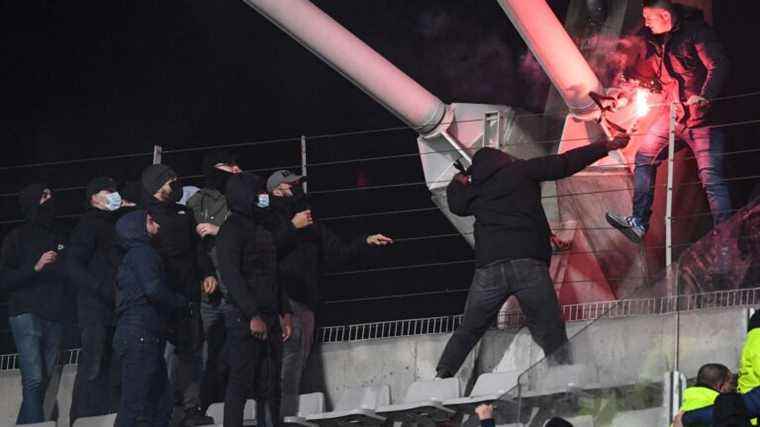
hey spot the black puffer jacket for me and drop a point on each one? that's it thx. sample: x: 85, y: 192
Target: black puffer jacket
x: 247, y: 258
x: 505, y: 198
x: 689, y: 60
x: 44, y: 293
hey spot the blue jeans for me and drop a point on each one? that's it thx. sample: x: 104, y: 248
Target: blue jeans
x: 707, y: 144
x: 38, y: 342
x: 529, y: 281
x: 146, y: 398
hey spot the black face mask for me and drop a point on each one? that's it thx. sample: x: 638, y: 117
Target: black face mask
x: 176, y: 194
x: 45, y: 213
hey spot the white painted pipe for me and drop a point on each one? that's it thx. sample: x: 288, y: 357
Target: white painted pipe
x: 355, y: 60
x: 558, y: 55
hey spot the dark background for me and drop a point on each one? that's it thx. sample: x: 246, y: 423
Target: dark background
x: 85, y: 78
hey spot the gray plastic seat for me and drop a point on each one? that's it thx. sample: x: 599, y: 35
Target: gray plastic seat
x: 99, y: 421
x: 45, y: 424
x: 489, y: 387
x: 308, y: 404
x: 216, y: 411
x: 356, y: 406
x: 423, y: 400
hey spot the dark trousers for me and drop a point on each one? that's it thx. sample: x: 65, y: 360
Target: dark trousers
x: 254, y: 371
x: 296, y: 352
x: 38, y: 342
x: 184, y: 360
x: 708, y: 146
x: 146, y: 398
x: 95, y: 389
x: 529, y: 281
x: 214, y: 382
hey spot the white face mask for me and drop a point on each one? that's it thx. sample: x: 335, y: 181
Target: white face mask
x: 113, y: 201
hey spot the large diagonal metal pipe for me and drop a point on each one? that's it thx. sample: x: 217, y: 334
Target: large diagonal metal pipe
x: 559, y: 57
x: 356, y: 61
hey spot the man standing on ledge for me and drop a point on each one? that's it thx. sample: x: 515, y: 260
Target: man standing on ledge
x: 512, y: 244
x: 686, y: 58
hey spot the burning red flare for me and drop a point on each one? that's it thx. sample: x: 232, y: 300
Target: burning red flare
x: 640, y: 102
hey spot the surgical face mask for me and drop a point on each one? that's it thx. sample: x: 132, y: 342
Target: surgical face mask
x: 113, y: 201
x: 263, y: 200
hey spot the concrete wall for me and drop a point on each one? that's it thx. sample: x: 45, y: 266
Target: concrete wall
x: 612, y: 351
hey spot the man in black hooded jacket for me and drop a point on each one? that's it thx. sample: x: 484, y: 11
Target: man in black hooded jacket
x: 188, y: 268
x: 33, y: 274
x: 257, y: 304
x: 91, y: 263
x: 512, y: 244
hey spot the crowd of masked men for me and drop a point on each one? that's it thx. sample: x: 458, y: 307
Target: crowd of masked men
x: 181, y: 301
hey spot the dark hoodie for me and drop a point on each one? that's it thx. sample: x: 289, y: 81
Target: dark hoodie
x: 303, y: 253
x: 145, y: 298
x: 247, y: 260
x: 42, y: 293
x: 184, y: 256
x: 505, y: 197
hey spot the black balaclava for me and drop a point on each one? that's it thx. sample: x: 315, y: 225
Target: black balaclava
x: 486, y: 162
x: 242, y: 192
x: 29, y: 200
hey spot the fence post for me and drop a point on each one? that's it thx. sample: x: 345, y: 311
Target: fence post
x: 303, y: 163
x: 157, y: 152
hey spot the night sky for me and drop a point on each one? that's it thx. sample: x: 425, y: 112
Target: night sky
x: 92, y: 78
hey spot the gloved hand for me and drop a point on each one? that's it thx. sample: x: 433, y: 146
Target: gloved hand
x: 619, y: 141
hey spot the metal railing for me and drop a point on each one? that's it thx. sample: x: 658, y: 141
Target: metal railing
x: 646, y: 306
x: 510, y: 320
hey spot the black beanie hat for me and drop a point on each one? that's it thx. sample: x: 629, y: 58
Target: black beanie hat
x: 155, y: 176
x: 97, y: 185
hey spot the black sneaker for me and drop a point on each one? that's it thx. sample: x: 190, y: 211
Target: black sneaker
x: 630, y: 226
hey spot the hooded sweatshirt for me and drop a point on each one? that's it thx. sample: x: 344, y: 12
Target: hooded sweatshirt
x: 42, y: 293
x: 302, y: 254
x: 505, y: 197
x: 184, y: 256
x: 145, y: 298
x: 247, y: 258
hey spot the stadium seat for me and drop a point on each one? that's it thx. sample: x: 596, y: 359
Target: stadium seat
x: 99, y: 421
x: 423, y: 401
x: 45, y: 424
x: 356, y: 406
x: 216, y: 411
x: 488, y: 388
x: 308, y: 404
